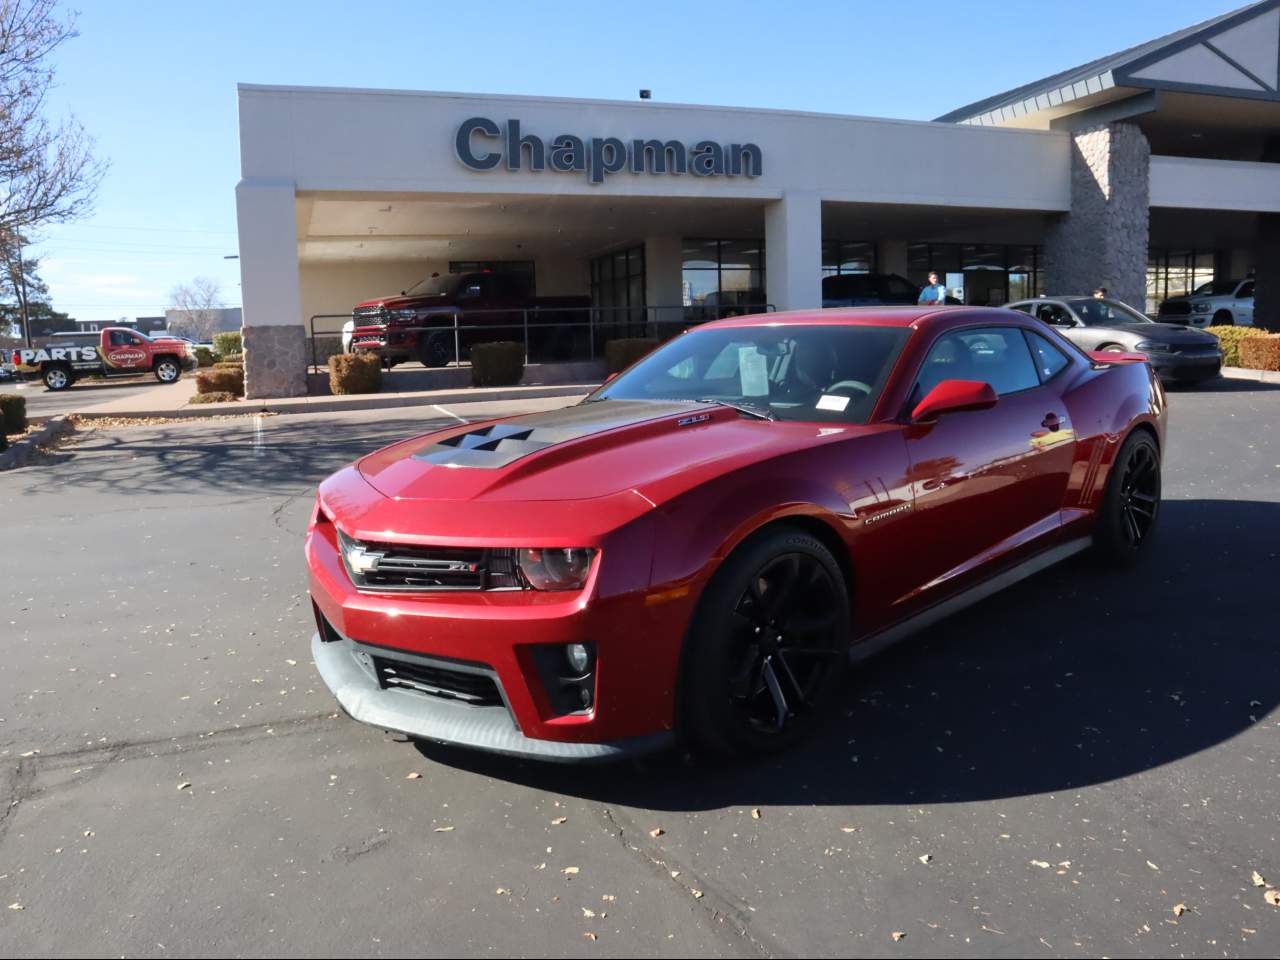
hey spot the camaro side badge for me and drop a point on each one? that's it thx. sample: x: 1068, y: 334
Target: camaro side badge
x: 699, y: 418
x: 886, y: 514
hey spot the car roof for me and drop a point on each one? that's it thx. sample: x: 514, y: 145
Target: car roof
x: 916, y: 317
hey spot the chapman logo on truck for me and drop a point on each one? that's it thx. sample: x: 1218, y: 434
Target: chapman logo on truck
x: 30, y: 357
x: 125, y: 358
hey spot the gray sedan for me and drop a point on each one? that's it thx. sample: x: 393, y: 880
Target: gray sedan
x: 1176, y: 352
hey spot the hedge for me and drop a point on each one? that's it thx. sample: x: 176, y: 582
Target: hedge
x: 620, y: 354
x: 499, y: 364
x: 354, y: 373
x: 231, y: 358
x: 1261, y: 353
x: 1229, y: 338
x: 219, y: 396
x: 221, y: 379
x: 13, y: 413
x: 204, y: 357
x: 225, y: 343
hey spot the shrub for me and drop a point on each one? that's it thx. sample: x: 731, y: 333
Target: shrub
x: 218, y: 396
x: 232, y: 358
x: 620, y: 354
x: 227, y: 365
x: 498, y: 364
x: 13, y: 413
x: 204, y: 357
x: 228, y: 379
x: 225, y: 343
x: 1229, y: 338
x: 1261, y: 353
x: 354, y: 373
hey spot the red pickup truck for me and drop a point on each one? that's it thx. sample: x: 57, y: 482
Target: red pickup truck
x: 422, y: 323
x: 113, y: 352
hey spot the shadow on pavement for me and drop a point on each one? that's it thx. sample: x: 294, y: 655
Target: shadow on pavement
x: 1223, y: 385
x: 1077, y: 676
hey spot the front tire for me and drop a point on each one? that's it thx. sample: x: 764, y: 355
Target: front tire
x: 167, y: 371
x: 1131, y: 503
x: 433, y: 351
x: 1224, y: 318
x: 768, y: 646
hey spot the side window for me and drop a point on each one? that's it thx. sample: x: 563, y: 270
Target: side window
x: 121, y: 338
x: 1050, y: 361
x: 1246, y: 291
x: 995, y: 355
x: 1054, y: 314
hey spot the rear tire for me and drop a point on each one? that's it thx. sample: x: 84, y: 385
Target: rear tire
x: 768, y: 646
x: 57, y: 377
x: 1131, y: 504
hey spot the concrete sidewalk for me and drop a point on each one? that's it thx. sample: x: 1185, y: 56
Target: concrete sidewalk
x: 174, y: 400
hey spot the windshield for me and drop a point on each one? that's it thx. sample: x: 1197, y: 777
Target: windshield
x: 1105, y: 313
x: 436, y: 285
x: 823, y: 373
x: 1216, y: 288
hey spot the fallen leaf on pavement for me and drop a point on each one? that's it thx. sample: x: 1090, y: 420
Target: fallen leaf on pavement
x: 414, y: 776
x: 591, y: 936
x: 16, y: 906
x: 1179, y: 909
x: 849, y: 829
x: 1272, y: 897
x: 697, y: 894
x: 608, y: 898
x: 559, y: 820
x: 925, y: 858
x: 569, y: 871
x: 897, y: 935
x: 1152, y: 865
x: 503, y: 892
x: 755, y: 813
x: 444, y: 829
x: 588, y: 913
x: 1258, y: 880
x: 656, y: 832
x: 1042, y: 864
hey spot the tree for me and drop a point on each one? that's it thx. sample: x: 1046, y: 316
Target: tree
x: 199, y: 305
x: 47, y: 171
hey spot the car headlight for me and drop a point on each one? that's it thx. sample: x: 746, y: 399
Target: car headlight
x: 1201, y: 307
x: 555, y: 568
x: 1150, y: 346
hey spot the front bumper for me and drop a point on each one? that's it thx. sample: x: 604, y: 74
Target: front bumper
x: 1196, y: 366
x: 346, y: 668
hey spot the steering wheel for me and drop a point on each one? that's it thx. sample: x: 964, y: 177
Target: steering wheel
x: 849, y: 385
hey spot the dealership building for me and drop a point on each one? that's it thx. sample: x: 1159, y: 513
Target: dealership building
x: 1149, y: 171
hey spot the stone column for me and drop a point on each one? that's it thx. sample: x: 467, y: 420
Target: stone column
x: 1103, y: 240
x: 793, y: 251
x: 275, y: 339
x: 663, y: 284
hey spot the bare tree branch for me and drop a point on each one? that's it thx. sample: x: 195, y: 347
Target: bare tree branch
x: 199, y: 304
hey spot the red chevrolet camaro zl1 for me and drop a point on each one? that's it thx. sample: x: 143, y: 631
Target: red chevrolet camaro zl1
x: 700, y: 547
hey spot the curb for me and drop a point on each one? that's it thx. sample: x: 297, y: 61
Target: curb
x: 386, y: 401
x: 20, y: 453
x: 1248, y: 373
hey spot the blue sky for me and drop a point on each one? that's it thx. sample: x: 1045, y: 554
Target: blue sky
x: 154, y: 83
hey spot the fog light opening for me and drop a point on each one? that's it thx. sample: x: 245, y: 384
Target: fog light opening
x: 578, y: 656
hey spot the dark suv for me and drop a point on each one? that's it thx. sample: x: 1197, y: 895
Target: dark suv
x: 867, y: 290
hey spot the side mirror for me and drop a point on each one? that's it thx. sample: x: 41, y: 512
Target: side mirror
x: 954, y: 396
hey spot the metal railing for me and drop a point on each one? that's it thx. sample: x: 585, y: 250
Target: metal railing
x: 549, y: 334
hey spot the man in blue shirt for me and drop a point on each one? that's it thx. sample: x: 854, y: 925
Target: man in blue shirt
x: 933, y: 292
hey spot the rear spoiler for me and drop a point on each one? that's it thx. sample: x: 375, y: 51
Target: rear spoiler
x: 1106, y: 357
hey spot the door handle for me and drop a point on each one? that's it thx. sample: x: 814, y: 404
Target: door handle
x: 1051, y: 421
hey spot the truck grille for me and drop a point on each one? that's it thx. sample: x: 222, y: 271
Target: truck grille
x: 374, y: 314
x: 477, y: 689
x: 397, y: 567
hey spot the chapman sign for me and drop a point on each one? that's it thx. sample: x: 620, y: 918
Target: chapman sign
x: 481, y: 144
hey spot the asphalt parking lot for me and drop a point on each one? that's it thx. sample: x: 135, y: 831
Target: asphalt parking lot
x: 1049, y: 774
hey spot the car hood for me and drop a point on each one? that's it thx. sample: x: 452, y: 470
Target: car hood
x: 655, y: 449
x: 402, y: 302
x: 1168, y: 333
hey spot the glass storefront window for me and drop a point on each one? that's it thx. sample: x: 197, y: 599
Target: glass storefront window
x: 1175, y: 273
x: 845, y: 256
x: 617, y: 289
x: 979, y: 274
x: 722, y: 278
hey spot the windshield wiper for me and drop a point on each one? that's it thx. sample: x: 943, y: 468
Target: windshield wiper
x: 764, y: 414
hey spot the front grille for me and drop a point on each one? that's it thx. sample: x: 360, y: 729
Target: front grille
x: 367, y: 313
x: 438, y: 680
x: 394, y: 566
x: 1176, y: 308
x: 367, y: 338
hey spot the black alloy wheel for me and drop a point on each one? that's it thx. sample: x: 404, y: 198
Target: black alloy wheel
x: 1131, y: 504
x: 769, y: 646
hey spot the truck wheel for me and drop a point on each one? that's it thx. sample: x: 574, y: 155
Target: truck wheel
x: 57, y: 377
x: 167, y: 370
x: 433, y: 351
x: 1223, y: 318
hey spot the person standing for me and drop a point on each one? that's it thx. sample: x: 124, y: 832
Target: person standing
x: 1100, y: 293
x: 934, y: 292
